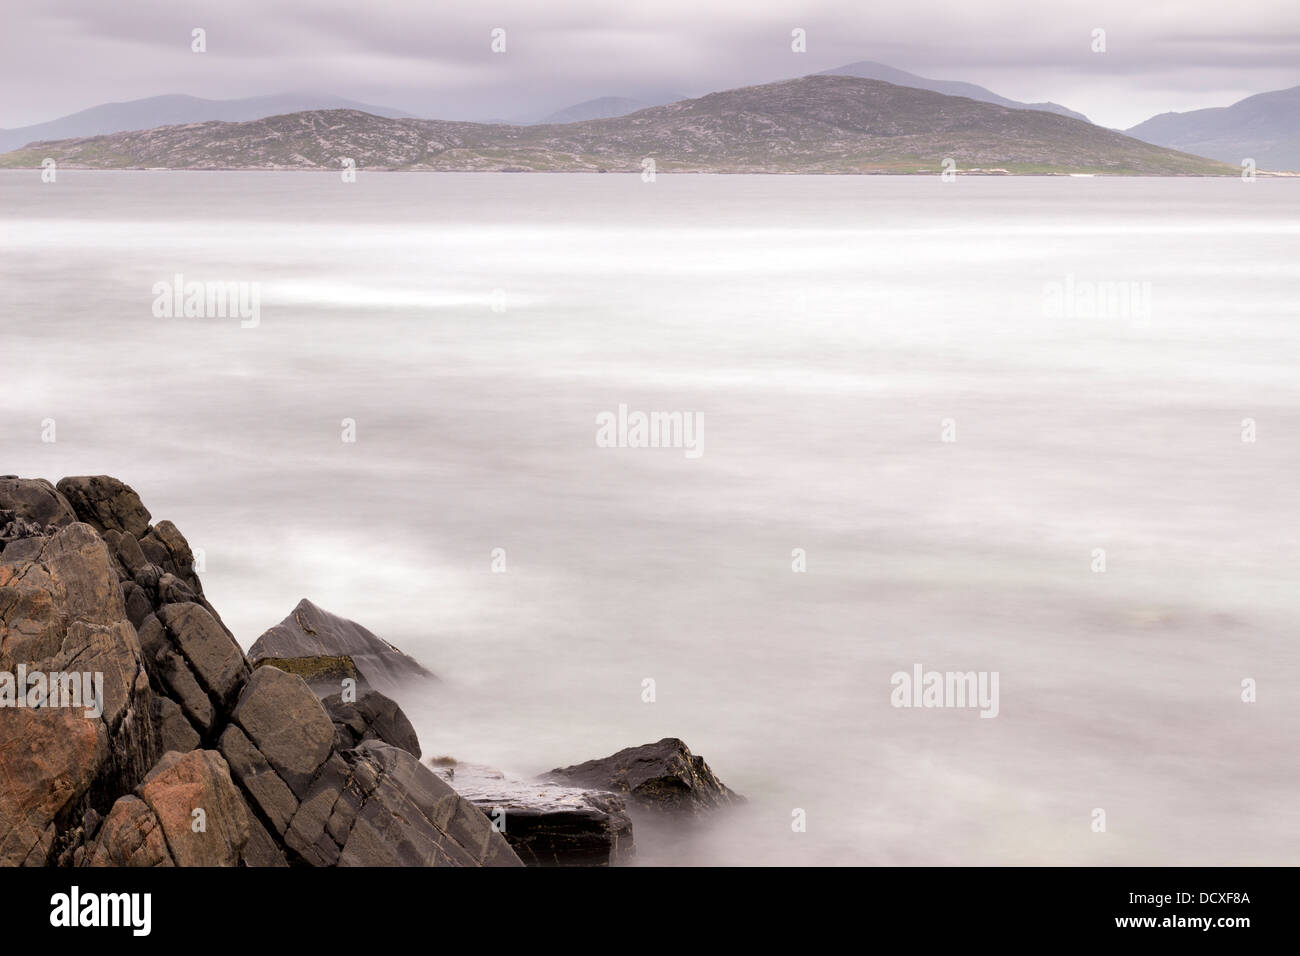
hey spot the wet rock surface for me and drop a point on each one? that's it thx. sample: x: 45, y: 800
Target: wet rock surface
x: 664, y: 777
x: 548, y: 824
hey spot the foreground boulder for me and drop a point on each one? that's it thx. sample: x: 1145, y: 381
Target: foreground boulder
x: 186, y: 812
x: 545, y: 823
x: 61, y: 613
x: 309, y: 632
x: 665, y: 777
x: 183, y: 754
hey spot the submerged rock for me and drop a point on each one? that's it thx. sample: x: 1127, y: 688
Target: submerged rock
x: 663, y: 776
x: 547, y: 824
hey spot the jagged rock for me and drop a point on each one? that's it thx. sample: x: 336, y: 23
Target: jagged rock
x: 130, y: 836
x: 372, y: 717
x: 166, y: 547
x: 181, y: 784
x: 87, y: 584
x: 138, y: 604
x: 312, y: 632
x: 158, y: 825
x: 105, y: 503
x: 174, y: 731
x: 47, y: 582
x: 210, y: 652
x: 261, y: 849
x: 307, y: 831
x: 128, y: 551
x: 663, y: 776
x: 269, y: 793
x: 411, y: 818
x: 35, y: 503
x: 61, y: 611
x: 287, y: 724
x: 548, y: 824
x: 171, y: 675
x: 51, y: 758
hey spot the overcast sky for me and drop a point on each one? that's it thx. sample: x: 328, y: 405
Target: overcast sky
x: 432, y: 58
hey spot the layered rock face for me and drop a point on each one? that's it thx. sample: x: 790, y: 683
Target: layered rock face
x: 188, y: 756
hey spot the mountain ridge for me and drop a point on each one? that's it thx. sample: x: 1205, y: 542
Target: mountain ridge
x: 1264, y: 127
x: 815, y: 124
x: 871, y: 70
x: 178, y: 109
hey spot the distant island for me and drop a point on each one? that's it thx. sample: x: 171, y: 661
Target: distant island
x: 823, y: 124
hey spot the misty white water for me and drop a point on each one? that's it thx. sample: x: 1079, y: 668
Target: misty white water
x: 824, y: 329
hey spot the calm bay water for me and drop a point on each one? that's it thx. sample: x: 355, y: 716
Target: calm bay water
x: 825, y: 329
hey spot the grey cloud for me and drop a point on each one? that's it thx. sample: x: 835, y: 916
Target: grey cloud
x: 433, y: 59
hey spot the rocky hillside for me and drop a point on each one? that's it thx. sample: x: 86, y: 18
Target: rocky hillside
x: 186, y: 753
x: 817, y: 124
x: 1265, y: 128
x: 172, y: 109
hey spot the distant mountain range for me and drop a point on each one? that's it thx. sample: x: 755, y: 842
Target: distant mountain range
x: 1265, y: 128
x: 607, y: 107
x: 176, y: 108
x: 817, y: 124
x: 173, y: 110
x: 868, y: 70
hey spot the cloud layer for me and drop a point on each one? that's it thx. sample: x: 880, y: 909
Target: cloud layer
x: 435, y: 59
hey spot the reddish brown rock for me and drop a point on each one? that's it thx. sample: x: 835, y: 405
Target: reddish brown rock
x: 130, y: 836
x: 201, y: 813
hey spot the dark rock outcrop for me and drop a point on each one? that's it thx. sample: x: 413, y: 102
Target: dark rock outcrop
x: 545, y: 823
x: 87, y: 584
x: 309, y: 632
x: 664, y: 776
x: 106, y: 504
x: 31, y: 506
x: 372, y: 717
x: 411, y: 818
x: 187, y: 754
